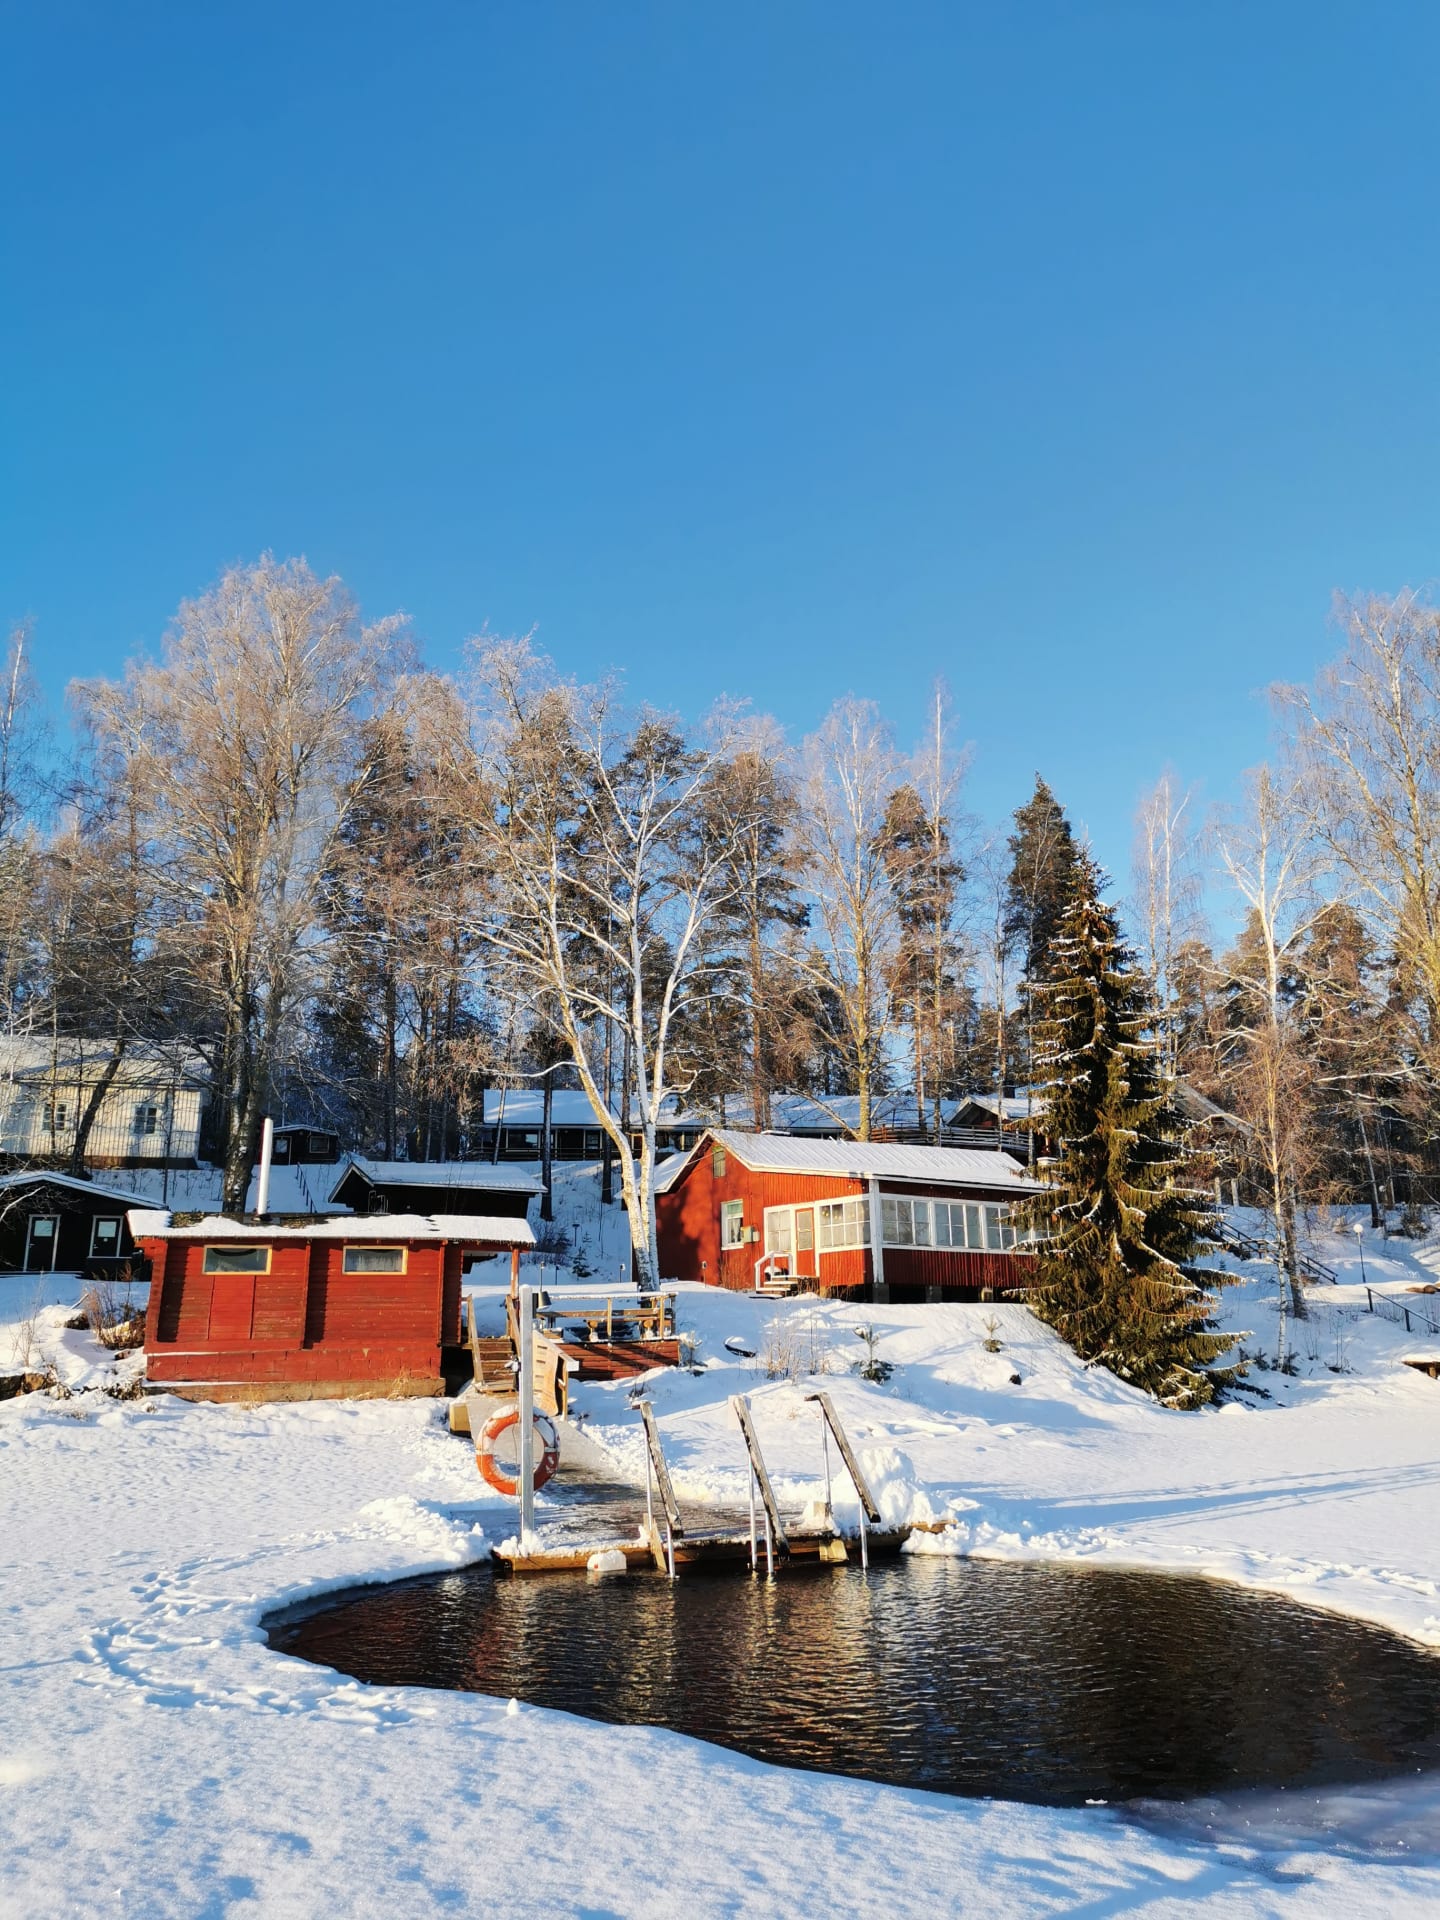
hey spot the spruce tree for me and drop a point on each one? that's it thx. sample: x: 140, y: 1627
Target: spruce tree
x: 1044, y: 869
x: 1118, y: 1220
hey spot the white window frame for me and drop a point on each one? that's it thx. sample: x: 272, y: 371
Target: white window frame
x: 119, y: 1224
x: 732, y: 1225
x: 780, y: 1225
x: 986, y: 1226
x: 843, y: 1224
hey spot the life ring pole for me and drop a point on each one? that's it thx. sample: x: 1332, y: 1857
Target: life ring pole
x: 527, y: 1416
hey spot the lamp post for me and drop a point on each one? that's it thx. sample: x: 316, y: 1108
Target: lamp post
x: 1360, y: 1244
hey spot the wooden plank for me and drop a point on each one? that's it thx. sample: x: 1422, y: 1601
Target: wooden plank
x: 742, y: 1414
x: 852, y: 1465
x: 662, y: 1472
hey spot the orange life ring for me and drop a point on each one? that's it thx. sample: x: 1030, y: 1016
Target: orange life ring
x: 493, y: 1473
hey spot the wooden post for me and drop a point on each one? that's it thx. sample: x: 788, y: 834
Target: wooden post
x: 662, y: 1472
x: 514, y: 1270
x: 757, y: 1464
x: 868, y: 1509
x: 877, y: 1244
x: 527, y: 1415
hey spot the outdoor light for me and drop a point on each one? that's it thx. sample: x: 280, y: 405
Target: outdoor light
x: 1360, y: 1244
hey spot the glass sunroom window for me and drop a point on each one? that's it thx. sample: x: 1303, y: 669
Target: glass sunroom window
x: 843, y: 1223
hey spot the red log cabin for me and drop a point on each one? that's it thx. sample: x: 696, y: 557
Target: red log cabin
x: 307, y: 1308
x: 872, y: 1220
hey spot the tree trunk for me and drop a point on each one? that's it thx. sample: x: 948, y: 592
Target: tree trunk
x: 92, y: 1107
x: 547, y: 1167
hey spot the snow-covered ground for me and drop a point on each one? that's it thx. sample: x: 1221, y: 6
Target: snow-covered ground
x: 156, y: 1758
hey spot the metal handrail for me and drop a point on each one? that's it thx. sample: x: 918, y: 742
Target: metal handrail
x: 1389, y: 1308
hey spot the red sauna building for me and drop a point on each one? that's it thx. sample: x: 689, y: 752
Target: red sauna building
x: 870, y: 1219
x: 305, y: 1308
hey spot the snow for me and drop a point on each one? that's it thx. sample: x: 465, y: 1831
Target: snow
x: 501, y: 1230
x: 157, y: 1759
x: 862, y: 1160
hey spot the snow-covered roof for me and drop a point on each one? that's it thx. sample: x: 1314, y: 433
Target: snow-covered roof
x: 479, y: 1229
x: 802, y: 1113
x: 572, y: 1107
x: 1014, y: 1106
x: 461, y: 1176
x: 525, y: 1107
x: 861, y: 1160
x: 31, y: 1175
x: 42, y: 1057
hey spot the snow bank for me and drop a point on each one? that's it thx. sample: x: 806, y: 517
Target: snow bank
x: 156, y: 1758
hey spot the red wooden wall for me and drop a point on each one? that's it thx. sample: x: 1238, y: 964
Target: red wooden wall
x: 306, y: 1327
x: 688, y: 1226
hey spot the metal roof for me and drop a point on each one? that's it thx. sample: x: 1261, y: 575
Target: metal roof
x: 460, y: 1175
x: 861, y: 1160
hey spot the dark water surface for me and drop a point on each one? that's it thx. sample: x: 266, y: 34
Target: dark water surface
x: 963, y: 1676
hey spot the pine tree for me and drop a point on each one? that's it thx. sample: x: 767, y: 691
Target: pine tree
x: 1119, y: 1221
x: 927, y: 984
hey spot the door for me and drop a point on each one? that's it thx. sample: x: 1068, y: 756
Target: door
x: 42, y: 1236
x: 232, y: 1308
x: 805, y: 1243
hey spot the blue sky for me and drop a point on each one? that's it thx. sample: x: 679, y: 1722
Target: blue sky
x: 1077, y: 353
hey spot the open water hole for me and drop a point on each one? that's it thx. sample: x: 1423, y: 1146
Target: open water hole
x: 1038, y: 1683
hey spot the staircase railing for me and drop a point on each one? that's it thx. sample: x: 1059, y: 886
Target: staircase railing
x: 1401, y: 1311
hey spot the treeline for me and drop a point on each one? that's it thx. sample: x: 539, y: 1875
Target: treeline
x: 365, y: 893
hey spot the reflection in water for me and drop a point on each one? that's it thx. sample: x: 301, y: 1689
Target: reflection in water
x: 1035, y: 1683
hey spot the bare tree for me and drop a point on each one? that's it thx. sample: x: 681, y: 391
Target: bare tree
x: 851, y: 772
x: 609, y: 858
x: 1167, y: 894
x: 1366, y: 738
x: 243, y: 740
x: 1269, y: 854
x: 933, y: 930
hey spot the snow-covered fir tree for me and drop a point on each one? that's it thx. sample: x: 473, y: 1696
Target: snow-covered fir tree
x: 1120, y: 1220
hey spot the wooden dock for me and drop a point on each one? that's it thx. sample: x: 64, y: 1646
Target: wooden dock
x: 673, y: 1542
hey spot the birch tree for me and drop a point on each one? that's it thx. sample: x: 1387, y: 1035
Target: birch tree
x: 1167, y: 889
x: 851, y: 773
x: 610, y: 853
x: 1269, y: 855
x: 243, y: 742
x: 1366, y: 740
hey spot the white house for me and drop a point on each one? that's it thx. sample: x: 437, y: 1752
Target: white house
x: 149, y: 1111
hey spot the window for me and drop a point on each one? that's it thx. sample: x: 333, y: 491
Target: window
x: 717, y: 1162
x: 844, y: 1223
x: 104, y: 1236
x: 964, y: 1225
x: 237, y: 1260
x: 374, y: 1260
x: 732, y: 1223
x: 317, y: 1143
x: 777, y: 1230
x: 56, y: 1114
x: 905, y: 1223
x: 147, y: 1118
x: 804, y: 1230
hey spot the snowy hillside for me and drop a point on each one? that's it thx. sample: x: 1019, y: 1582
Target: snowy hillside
x: 157, y: 1759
